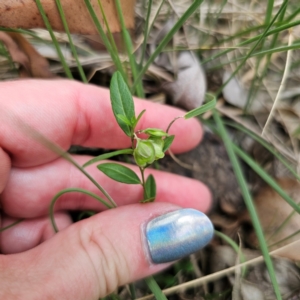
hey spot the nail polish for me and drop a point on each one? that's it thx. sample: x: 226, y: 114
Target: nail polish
x: 177, y: 234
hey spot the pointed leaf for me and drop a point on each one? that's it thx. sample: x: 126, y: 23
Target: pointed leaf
x: 203, y: 108
x: 107, y: 155
x: 168, y: 142
x: 150, y: 188
x: 124, y: 119
x: 138, y: 118
x: 119, y: 173
x: 121, y: 101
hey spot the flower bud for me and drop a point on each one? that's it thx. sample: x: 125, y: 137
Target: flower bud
x: 158, y: 144
x: 144, y: 153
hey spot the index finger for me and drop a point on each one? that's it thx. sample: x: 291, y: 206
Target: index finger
x: 71, y: 113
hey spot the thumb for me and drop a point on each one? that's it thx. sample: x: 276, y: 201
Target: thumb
x: 91, y: 258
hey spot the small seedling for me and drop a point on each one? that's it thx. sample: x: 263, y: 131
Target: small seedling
x: 145, y: 151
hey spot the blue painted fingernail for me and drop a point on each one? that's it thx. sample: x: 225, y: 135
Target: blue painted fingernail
x: 177, y: 234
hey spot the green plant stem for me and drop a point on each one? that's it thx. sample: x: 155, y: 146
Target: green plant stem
x: 248, y: 201
x: 269, y: 11
x: 146, y: 30
x: 54, y: 40
x: 265, y: 176
x: 258, y: 78
x: 129, y: 49
x: 11, y: 225
x: 169, y: 126
x: 111, y: 38
x: 266, y: 145
x: 144, y: 182
x: 166, y: 39
x: 56, y: 149
x: 252, y: 49
x: 155, y: 289
x: 286, y: 238
x: 110, y: 49
x: 70, y: 190
x: 251, y: 40
x: 73, y: 49
x: 132, y: 291
x: 235, y: 247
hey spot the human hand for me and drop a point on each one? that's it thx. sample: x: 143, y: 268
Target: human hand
x: 88, y: 259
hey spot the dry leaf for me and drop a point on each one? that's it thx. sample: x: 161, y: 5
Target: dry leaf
x: 237, y: 95
x: 189, y: 86
x: 25, y: 14
x: 256, y: 284
x: 273, y: 211
x: 32, y: 64
x: 234, y: 93
x: 16, y: 54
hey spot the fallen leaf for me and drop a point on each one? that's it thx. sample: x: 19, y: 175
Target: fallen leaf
x: 25, y: 14
x: 236, y: 94
x: 16, y: 54
x: 188, y: 88
x: 273, y: 210
x: 256, y: 283
x: 32, y: 64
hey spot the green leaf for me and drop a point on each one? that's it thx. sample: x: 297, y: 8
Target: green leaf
x: 138, y: 118
x: 150, y: 188
x: 121, y: 101
x: 119, y: 173
x: 124, y: 119
x: 168, y: 142
x: 203, y: 108
x: 155, y: 289
x: 107, y: 155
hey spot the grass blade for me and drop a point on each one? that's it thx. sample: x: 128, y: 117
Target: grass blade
x: 73, y: 49
x: 266, y: 177
x: 211, y: 103
x: 129, y: 49
x: 252, y: 49
x: 114, y: 55
x: 166, y: 39
x: 249, y: 203
x: 155, y: 289
x: 106, y: 156
x: 54, y: 40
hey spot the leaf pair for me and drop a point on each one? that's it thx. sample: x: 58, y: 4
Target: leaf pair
x: 122, y: 104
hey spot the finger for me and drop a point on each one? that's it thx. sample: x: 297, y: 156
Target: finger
x: 67, y: 112
x: 29, y: 233
x: 29, y: 191
x: 90, y: 259
x: 5, y: 165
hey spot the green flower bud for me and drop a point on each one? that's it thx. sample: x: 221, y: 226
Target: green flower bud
x: 158, y: 144
x: 144, y: 153
x: 155, y: 132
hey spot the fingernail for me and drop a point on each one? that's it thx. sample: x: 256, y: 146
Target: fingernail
x: 177, y: 234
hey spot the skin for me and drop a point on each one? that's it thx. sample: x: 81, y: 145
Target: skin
x: 91, y: 258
